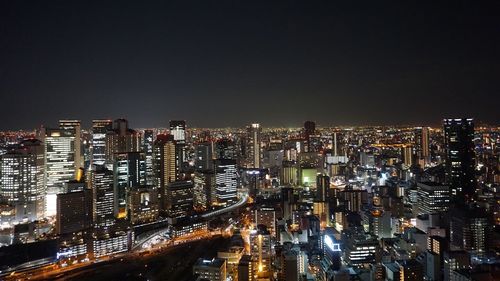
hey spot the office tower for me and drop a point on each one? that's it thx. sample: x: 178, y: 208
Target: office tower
x: 60, y: 166
x: 210, y: 270
x: 204, y: 190
x: 179, y: 199
x: 290, y: 265
x: 165, y: 166
x: 355, y: 198
x: 22, y: 180
x: 99, y: 130
x: 226, y: 181
x: 246, y: 269
x: 261, y: 251
x: 129, y: 171
x: 143, y: 206
x: 178, y: 130
x: 410, y: 270
x: 380, y: 223
x: 422, y: 143
x: 460, y: 159
x: 254, y: 149
x: 204, y: 156
x: 455, y: 261
x: 287, y: 202
x: 309, y: 130
x: 407, y: 156
x: 469, y: 230
x: 103, y: 194
x: 147, y: 148
x: 75, y: 126
x: 266, y: 216
x: 322, y: 187
x: 289, y: 173
x: 121, y: 139
x: 225, y: 149
x: 360, y: 248
x: 74, y: 211
x: 432, y: 198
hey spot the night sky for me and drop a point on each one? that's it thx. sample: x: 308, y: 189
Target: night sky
x: 229, y: 63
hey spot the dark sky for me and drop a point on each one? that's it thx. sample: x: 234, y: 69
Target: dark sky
x: 228, y: 63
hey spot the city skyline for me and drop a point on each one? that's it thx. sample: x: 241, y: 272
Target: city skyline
x: 330, y: 62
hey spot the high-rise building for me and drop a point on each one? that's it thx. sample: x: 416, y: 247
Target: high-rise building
x: 422, y: 143
x: 129, y: 171
x: 322, y: 187
x: 290, y: 265
x: 226, y: 180
x: 309, y: 130
x: 410, y: 270
x: 178, y: 130
x: 261, y: 251
x: 225, y: 149
x: 103, y: 197
x: 407, y: 155
x: 179, y: 199
x: 147, y: 148
x: 60, y: 166
x: 74, y: 211
x: 99, y: 130
x: 460, y: 159
x: 165, y: 165
x: 432, y: 198
x: 246, y: 269
x: 22, y: 180
x: 266, y: 216
x: 210, y: 270
x: 254, y: 146
x: 204, y: 156
x: 469, y: 230
x: 121, y: 139
x: 204, y: 190
x: 142, y: 204
x: 75, y: 126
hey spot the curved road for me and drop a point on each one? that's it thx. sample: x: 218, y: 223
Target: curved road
x: 241, y: 202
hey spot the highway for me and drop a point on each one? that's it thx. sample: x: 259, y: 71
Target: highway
x: 160, y: 232
x: 241, y: 202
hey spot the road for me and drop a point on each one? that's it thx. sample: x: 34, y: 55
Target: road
x: 174, y: 263
x: 243, y: 200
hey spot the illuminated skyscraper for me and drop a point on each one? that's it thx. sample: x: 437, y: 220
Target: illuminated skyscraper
x: 147, y: 147
x: 165, y: 165
x: 225, y: 149
x: 142, y: 204
x: 121, y: 139
x: 103, y: 197
x: 460, y: 159
x: 432, y: 198
x: 179, y: 199
x: 99, y: 130
x: 21, y: 180
x: 261, y: 251
x: 204, y: 156
x: 309, y: 130
x: 75, y: 126
x: 129, y: 171
x: 226, y: 180
x: 407, y: 156
x: 178, y: 130
x: 422, y: 143
x: 74, y: 211
x: 254, y: 147
x: 60, y: 166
